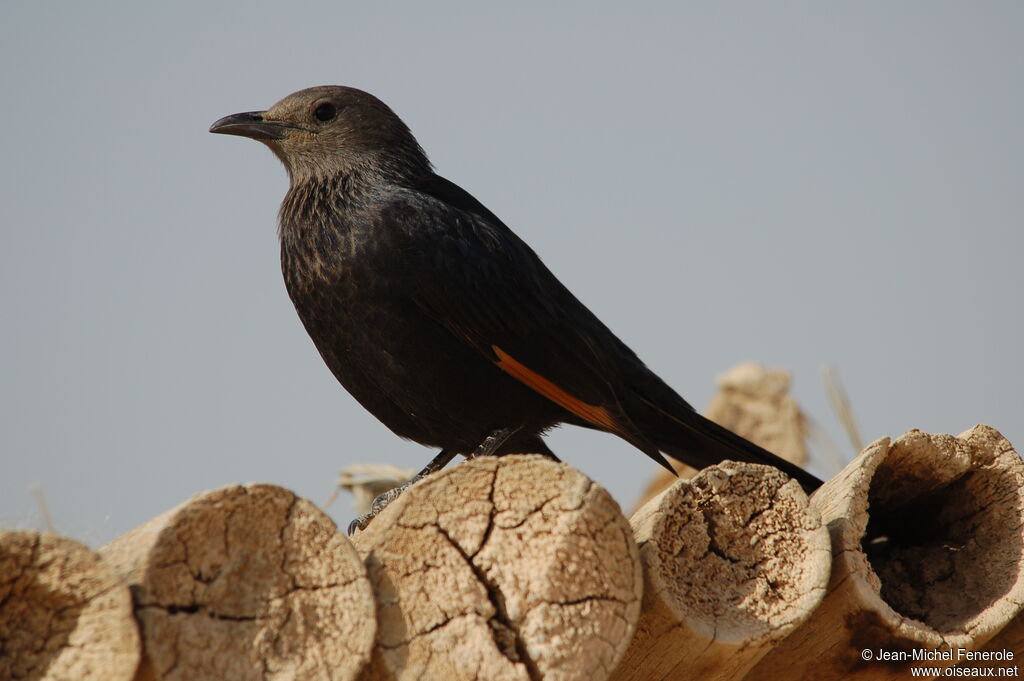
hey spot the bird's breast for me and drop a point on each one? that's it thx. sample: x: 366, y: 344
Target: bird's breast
x: 313, y: 260
x: 333, y: 273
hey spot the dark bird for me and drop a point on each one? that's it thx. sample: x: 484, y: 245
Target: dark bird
x: 437, y: 318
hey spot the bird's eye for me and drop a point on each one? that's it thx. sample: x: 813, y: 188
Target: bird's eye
x: 325, y: 112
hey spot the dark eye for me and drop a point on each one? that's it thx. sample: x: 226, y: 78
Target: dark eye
x: 325, y: 112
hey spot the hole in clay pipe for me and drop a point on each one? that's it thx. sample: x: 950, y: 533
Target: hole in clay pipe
x: 937, y: 554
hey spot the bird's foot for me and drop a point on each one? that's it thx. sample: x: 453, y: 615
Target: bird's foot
x: 379, y: 503
x: 385, y: 498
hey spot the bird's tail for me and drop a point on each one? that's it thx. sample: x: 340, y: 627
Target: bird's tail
x: 688, y: 437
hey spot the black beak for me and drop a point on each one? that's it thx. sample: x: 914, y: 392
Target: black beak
x: 250, y: 124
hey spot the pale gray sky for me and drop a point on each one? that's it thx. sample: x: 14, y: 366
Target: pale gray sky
x: 792, y: 183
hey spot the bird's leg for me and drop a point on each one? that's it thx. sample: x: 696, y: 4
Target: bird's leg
x: 437, y: 463
x: 493, y: 442
x: 385, y: 498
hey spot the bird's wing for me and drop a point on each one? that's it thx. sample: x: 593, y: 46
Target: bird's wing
x: 471, y: 274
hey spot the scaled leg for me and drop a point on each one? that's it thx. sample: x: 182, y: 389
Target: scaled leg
x: 382, y: 500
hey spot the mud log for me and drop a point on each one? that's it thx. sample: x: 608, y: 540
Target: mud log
x: 246, y: 583
x: 753, y: 402
x: 64, y: 615
x: 927, y: 545
x: 734, y: 560
x: 510, y: 568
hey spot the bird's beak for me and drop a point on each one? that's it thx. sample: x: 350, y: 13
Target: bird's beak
x: 250, y: 124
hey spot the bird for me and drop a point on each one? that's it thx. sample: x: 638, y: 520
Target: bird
x: 436, y: 317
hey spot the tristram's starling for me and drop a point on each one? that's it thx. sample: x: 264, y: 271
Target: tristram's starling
x: 435, y: 315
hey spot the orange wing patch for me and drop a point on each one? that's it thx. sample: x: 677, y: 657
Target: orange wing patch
x: 599, y: 416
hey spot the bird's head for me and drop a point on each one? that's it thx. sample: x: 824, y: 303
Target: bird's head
x: 330, y: 130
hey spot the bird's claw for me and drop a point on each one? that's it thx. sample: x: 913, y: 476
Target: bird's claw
x: 359, y: 523
x: 379, y: 503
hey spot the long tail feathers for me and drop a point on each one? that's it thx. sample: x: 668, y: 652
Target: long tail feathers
x: 700, y: 442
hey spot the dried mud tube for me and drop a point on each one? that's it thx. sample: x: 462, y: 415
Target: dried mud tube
x: 734, y: 560
x: 64, y: 616
x: 927, y: 536
x: 502, y: 568
x: 246, y: 583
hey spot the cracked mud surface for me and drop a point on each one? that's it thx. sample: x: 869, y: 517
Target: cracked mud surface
x: 502, y: 568
x: 944, y: 535
x: 63, y: 614
x: 736, y: 557
x: 247, y: 583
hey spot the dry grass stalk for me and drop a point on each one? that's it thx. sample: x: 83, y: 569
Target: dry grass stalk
x: 841, y: 406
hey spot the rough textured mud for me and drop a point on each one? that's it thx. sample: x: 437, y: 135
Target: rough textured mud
x: 502, y: 568
x: 733, y: 561
x: 247, y: 583
x: 928, y: 553
x: 64, y: 616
